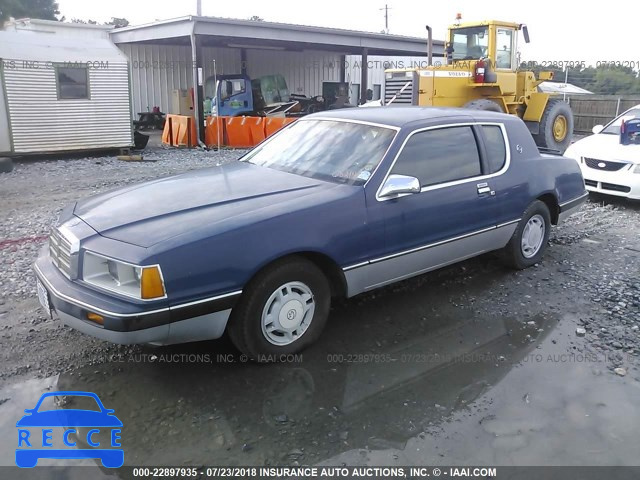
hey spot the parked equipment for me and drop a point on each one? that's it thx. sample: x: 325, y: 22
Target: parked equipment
x: 482, y: 73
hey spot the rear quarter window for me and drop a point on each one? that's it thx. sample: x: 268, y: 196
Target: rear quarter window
x: 495, y: 147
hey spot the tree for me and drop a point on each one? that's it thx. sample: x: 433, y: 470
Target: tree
x: 42, y: 9
x: 256, y: 18
x: 118, y: 22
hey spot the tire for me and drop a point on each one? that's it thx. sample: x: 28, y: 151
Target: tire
x: 515, y: 253
x: 556, y: 113
x: 6, y: 165
x: 293, y: 280
x: 484, y: 104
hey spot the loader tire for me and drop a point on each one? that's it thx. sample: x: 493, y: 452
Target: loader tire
x: 484, y: 104
x: 6, y: 165
x: 556, y: 126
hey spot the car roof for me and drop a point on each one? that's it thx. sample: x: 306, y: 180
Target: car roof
x: 400, y: 116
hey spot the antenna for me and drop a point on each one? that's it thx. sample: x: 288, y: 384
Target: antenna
x: 199, y: 8
x: 386, y: 17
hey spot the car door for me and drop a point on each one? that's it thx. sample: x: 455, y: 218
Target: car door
x: 452, y: 217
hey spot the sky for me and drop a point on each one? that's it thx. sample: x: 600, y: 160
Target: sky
x: 560, y: 31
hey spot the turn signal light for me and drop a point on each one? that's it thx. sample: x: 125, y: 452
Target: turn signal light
x: 94, y: 317
x: 151, y: 284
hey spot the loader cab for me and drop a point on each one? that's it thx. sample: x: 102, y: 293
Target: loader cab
x: 492, y: 40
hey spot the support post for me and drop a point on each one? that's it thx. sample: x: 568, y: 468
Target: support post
x: 198, y: 107
x: 364, y: 76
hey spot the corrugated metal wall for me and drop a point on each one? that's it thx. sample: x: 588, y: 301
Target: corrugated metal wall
x: 42, y: 123
x: 157, y: 70
x: 304, y: 71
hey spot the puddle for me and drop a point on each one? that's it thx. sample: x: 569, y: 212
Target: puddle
x: 393, y: 382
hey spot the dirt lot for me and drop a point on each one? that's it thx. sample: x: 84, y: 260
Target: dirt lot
x: 473, y: 364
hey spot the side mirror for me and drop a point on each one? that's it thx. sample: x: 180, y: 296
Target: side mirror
x: 597, y: 128
x: 525, y: 33
x: 397, y: 185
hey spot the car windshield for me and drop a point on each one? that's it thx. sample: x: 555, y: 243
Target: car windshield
x: 614, y: 126
x: 341, y: 152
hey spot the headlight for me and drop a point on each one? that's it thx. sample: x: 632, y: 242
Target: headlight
x: 142, y: 282
x: 637, y: 169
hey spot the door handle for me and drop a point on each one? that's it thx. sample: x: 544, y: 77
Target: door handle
x: 484, y: 188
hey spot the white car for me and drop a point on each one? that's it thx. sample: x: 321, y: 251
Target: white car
x: 608, y: 166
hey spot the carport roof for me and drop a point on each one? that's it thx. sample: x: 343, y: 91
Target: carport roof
x: 228, y: 32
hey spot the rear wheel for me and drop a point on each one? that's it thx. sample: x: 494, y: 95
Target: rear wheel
x: 484, y: 104
x: 556, y: 126
x: 282, y: 311
x: 529, y: 241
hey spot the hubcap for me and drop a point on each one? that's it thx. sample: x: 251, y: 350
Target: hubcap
x: 560, y: 128
x: 288, y: 313
x: 532, y: 236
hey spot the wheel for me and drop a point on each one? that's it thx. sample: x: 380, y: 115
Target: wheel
x: 484, y: 104
x: 529, y: 241
x: 282, y: 310
x: 6, y: 165
x: 556, y: 126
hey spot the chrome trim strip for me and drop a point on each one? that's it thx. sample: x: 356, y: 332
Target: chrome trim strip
x: 197, y: 302
x: 509, y: 223
x: 430, y: 245
x: 507, y: 162
x: 351, y: 267
x: 586, y: 194
x: 350, y: 120
x: 108, y: 313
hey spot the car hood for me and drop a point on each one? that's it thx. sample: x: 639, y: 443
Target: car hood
x: 605, y: 147
x: 151, y: 212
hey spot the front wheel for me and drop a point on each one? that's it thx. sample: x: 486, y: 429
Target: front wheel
x: 529, y: 241
x: 282, y: 310
x: 556, y: 126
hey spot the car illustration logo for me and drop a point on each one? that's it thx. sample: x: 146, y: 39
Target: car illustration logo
x: 36, y: 435
x: 602, y: 164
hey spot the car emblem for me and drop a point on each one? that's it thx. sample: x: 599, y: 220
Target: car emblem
x: 602, y: 164
x: 519, y: 148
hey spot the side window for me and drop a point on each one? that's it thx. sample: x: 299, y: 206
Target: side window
x: 496, y: 149
x: 439, y: 156
x: 72, y: 82
x: 504, y: 48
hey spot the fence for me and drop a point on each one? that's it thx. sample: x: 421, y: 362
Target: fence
x: 592, y: 110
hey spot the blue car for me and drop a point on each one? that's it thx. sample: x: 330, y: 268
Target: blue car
x: 336, y: 204
x: 35, y: 433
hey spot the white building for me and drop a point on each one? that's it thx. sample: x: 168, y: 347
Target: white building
x: 63, y: 88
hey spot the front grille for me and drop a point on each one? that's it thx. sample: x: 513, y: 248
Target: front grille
x: 608, y: 166
x: 392, y: 88
x: 590, y: 183
x: 616, y: 188
x: 60, y: 251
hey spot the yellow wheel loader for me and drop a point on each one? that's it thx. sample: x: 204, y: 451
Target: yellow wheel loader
x: 481, y: 72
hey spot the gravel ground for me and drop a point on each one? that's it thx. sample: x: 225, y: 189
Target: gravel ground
x: 603, y: 264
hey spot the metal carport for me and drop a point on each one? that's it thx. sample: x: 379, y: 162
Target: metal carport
x: 200, y: 33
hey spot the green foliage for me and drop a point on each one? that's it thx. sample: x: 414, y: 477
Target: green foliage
x: 42, y: 9
x: 602, y: 80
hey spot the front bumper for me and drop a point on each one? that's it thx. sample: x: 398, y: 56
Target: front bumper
x: 128, y: 322
x: 621, y: 183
